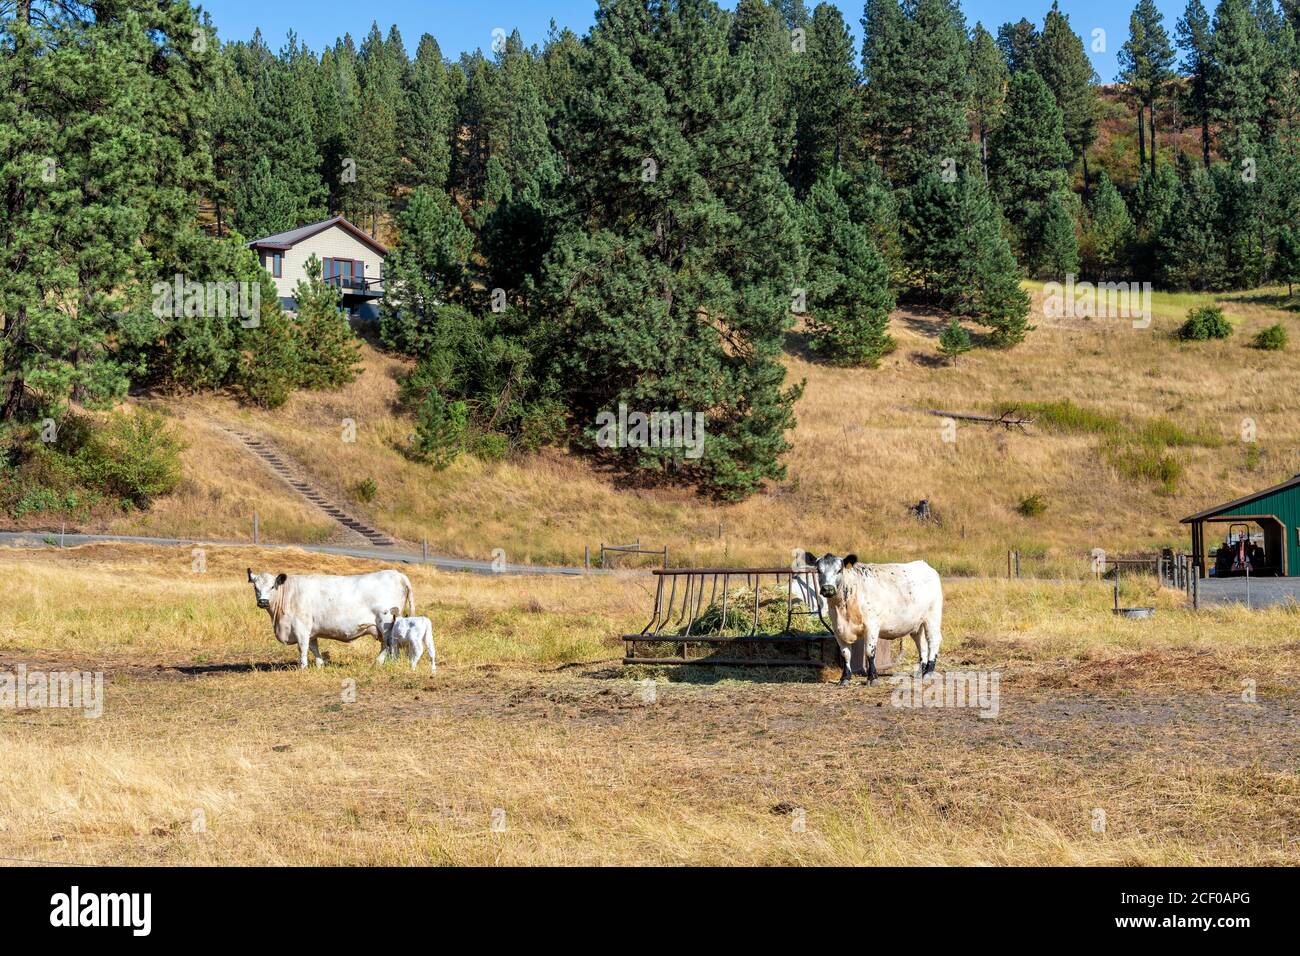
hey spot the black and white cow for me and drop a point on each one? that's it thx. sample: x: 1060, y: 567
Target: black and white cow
x: 871, y: 601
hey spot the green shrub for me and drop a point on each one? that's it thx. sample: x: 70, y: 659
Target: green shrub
x: 134, y: 458
x: 1163, y: 432
x: 1033, y: 506
x: 1204, y: 324
x: 365, y: 490
x: 1272, y: 339
x: 1148, y: 462
x: 1065, y: 416
x: 440, y: 429
x: 489, y: 446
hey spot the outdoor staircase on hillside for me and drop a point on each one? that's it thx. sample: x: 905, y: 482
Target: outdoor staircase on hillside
x: 292, y: 476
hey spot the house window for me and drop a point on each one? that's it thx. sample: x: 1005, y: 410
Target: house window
x: 344, y: 273
x: 274, y: 263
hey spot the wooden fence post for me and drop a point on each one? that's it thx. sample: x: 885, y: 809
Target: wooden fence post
x: 257, y: 529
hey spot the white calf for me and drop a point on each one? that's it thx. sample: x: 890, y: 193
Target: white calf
x: 412, y: 634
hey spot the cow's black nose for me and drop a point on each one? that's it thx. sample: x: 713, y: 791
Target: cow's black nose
x: 828, y: 591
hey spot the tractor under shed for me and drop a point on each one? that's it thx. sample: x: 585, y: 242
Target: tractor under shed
x: 1262, y: 534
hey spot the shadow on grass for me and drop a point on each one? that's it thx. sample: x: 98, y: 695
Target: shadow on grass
x: 200, y: 670
x: 709, y: 674
x: 929, y: 360
x: 1272, y: 300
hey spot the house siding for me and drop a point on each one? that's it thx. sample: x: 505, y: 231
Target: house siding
x: 334, y: 243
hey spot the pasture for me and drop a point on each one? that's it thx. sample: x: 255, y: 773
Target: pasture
x: 531, y: 722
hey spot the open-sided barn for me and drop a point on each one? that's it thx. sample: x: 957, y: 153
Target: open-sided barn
x: 1262, y: 534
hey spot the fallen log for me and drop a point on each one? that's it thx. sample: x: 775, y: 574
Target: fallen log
x: 1007, y: 419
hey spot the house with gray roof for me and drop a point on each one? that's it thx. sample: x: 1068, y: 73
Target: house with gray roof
x: 351, y: 261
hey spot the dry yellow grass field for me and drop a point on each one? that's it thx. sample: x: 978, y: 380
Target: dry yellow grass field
x: 864, y: 450
x: 206, y: 717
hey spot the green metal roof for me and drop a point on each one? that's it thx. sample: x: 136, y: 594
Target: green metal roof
x: 1239, y: 502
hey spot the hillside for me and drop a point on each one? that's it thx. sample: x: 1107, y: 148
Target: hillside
x: 864, y: 450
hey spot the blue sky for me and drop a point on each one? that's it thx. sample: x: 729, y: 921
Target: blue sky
x: 459, y: 25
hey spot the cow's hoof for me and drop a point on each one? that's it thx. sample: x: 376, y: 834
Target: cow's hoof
x: 845, y: 681
x: 873, y: 681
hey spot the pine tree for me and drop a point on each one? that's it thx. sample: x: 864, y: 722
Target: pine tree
x: 1019, y: 42
x: 232, y: 115
x: 338, y: 98
x: 561, y: 65
x: 267, y: 367
x: 1196, y: 41
x: 1286, y: 261
x: 1146, y: 67
x: 1237, y: 95
x: 1055, y: 251
x: 472, y: 148
x: 757, y: 30
x: 794, y: 13
x: 1028, y: 155
x: 104, y: 150
x: 1191, y: 250
x: 1109, y: 231
x: 516, y: 122
x: 1280, y: 65
x: 955, y: 251
x: 428, y: 118
x: 922, y: 89
x: 883, y: 28
x: 377, y: 158
x: 280, y: 185
x: 1061, y: 61
x: 988, y: 88
x: 424, y: 272
x: 954, y: 340
x: 1241, y: 226
x: 826, y: 100
x: 849, y: 298
x: 328, y: 352
x: 1152, y: 205
x: 672, y: 287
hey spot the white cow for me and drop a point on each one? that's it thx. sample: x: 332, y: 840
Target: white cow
x: 306, y: 607
x: 411, y: 634
x: 871, y: 601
